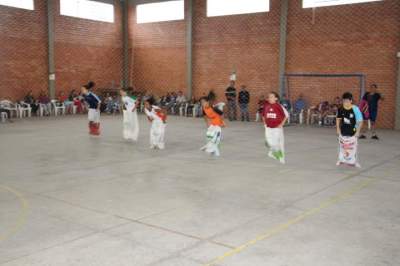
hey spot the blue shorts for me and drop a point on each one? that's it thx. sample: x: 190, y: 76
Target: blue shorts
x: 373, y: 115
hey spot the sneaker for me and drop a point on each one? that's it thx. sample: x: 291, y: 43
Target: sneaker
x: 362, y: 137
x: 375, y: 137
x: 338, y: 163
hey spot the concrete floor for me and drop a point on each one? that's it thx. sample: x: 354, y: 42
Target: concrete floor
x: 70, y: 199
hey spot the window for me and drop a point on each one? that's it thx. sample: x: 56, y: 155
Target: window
x: 87, y: 9
x: 25, y: 4
x: 160, y: 11
x: 318, y: 3
x: 235, y: 7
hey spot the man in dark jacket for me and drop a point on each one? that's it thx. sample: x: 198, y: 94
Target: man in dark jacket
x: 244, y: 100
x: 230, y: 95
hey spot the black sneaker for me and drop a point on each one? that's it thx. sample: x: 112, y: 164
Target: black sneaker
x: 362, y: 137
x: 375, y: 137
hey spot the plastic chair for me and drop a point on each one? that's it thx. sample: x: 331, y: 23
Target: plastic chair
x: 183, y: 109
x: 57, y: 106
x: 24, y: 109
x: 10, y: 106
x: 4, y: 117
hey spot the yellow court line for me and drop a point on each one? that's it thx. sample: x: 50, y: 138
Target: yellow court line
x: 22, y: 214
x: 284, y: 226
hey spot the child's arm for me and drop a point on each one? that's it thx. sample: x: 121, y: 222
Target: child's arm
x: 286, y: 116
x: 359, y: 127
x: 338, y: 121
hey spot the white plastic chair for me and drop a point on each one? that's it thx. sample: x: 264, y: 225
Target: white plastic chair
x: 57, y: 106
x: 183, y: 109
x: 44, y: 109
x: 4, y: 117
x: 10, y: 106
x: 24, y: 109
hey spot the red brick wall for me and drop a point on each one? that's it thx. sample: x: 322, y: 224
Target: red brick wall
x: 87, y: 50
x: 84, y: 50
x: 247, y: 43
x: 159, y: 55
x: 362, y: 38
x: 23, y: 50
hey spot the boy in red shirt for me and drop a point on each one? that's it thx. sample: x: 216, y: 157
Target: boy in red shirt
x: 274, y: 117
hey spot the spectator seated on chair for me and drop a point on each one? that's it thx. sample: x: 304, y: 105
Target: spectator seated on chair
x: 299, y: 108
x: 69, y: 102
x: 44, y: 103
x: 29, y: 99
x: 180, y: 102
x: 260, y: 109
x: 285, y: 102
x: 12, y: 108
x: 4, y: 108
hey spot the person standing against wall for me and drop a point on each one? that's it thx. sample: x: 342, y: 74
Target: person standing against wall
x: 230, y: 95
x: 244, y: 100
x: 373, y: 97
x: 373, y: 100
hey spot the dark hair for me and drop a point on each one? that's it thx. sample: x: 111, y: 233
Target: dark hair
x: 211, y: 96
x: 347, y: 96
x: 365, y: 97
x: 89, y: 85
x: 217, y: 110
x: 150, y: 100
x: 275, y: 94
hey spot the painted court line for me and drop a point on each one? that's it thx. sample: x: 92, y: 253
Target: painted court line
x: 306, y: 214
x: 21, y: 220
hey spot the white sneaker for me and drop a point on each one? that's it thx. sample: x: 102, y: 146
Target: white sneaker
x: 337, y: 163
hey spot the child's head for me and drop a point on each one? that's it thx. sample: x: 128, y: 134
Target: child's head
x: 273, y: 97
x: 204, y: 102
x: 86, y: 88
x: 347, y: 99
x: 374, y: 88
x: 149, y: 102
x: 123, y: 92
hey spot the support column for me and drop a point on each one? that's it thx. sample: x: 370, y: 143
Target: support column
x: 282, y: 44
x: 50, y: 47
x: 189, y: 48
x: 125, y: 43
x: 397, y: 121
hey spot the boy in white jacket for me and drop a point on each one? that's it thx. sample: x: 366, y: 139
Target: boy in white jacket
x: 158, y: 120
x: 130, y: 117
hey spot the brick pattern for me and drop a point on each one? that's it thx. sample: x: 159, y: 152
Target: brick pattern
x: 23, y: 50
x: 88, y: 50
x: 362, y: 38
x: 159, y: 52
x: 248, y: 44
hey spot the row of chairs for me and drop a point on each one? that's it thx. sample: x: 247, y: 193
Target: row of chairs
x: 22, y: 109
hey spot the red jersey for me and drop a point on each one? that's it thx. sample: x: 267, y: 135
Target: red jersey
x: 274, y: 114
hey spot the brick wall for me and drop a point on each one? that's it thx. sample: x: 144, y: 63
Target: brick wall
x: 248, y: 44
x: 84, y: 50
x: 23, y: 50
x: 87, y: 50
x: 159, y: 53
x: 362, y: 38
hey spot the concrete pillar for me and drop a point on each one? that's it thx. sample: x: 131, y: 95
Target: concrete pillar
x: 282, y: 44
x: 125, y: 43
x: 189, y: 48
x: 397, y: 122
x: 50, y: 47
